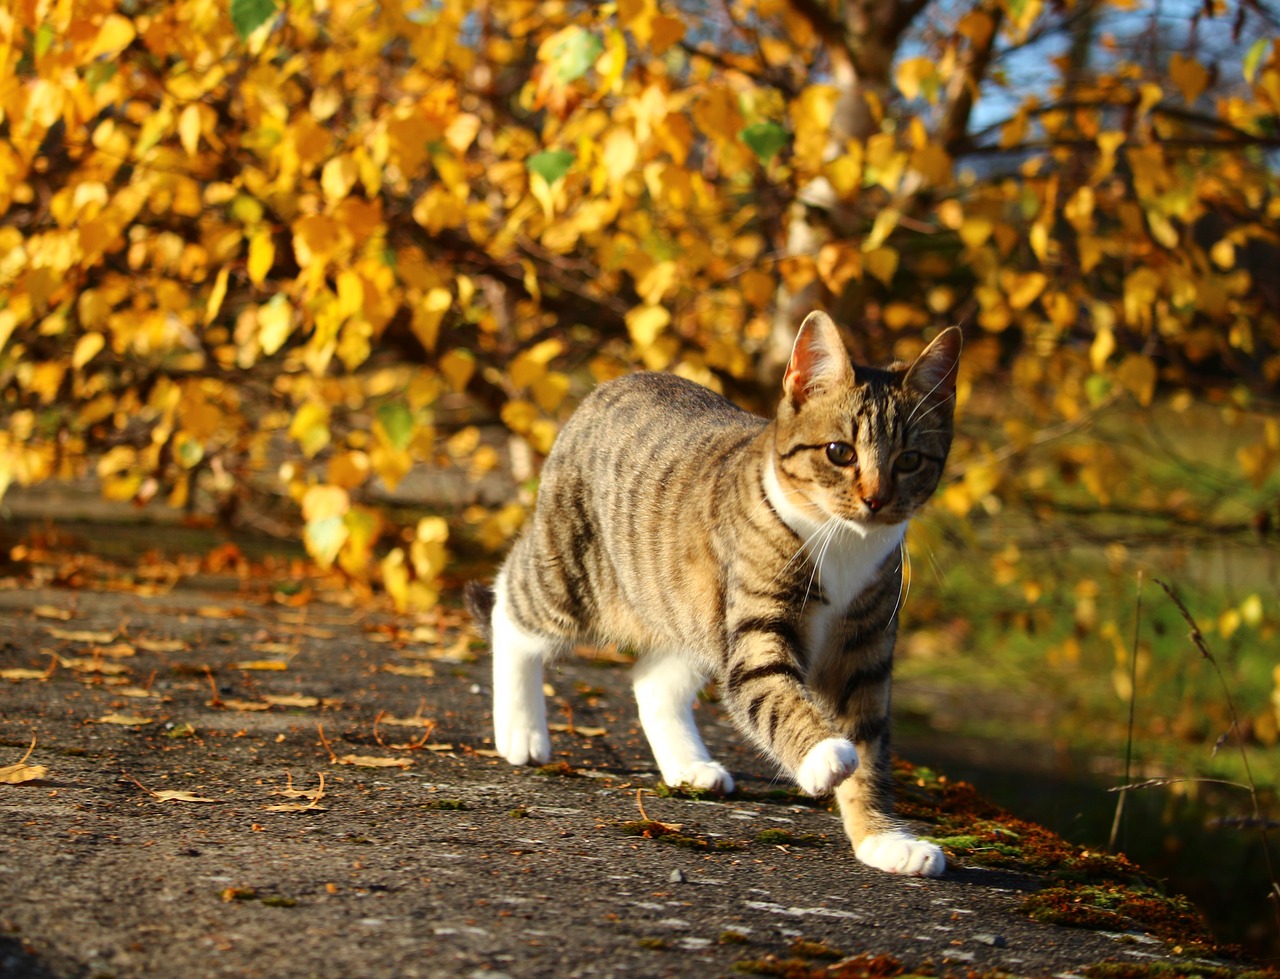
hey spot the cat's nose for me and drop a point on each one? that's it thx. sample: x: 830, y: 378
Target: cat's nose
x: 874, y: 503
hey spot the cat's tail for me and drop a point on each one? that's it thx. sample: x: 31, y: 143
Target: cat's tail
x: 478, y: 597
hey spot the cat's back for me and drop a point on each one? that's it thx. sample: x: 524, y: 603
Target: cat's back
x: 635, y: 420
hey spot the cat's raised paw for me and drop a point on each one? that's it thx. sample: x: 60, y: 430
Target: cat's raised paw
x: 709, y: 776
x: 901, y: 853
x: 827, y: 764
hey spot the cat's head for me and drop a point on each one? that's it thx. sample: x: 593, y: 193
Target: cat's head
x: 863, y: 444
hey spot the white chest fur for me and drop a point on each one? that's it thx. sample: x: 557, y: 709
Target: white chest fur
x: 844, y: 556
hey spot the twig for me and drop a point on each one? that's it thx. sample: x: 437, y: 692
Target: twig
x: 1152, y: 783
x: 333, y: 759
x: 216, y: 701
x: 1118, y: 821
x: 1197, y: 639
x: 23, y: 759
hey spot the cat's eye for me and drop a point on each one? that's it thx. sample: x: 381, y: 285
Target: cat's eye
x: 841, y: 453
x: 908, y: 462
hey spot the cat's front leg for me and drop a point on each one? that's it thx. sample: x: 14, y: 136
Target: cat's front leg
x: 764, y: 689
x: 520, y: 732
x: 665, y: 686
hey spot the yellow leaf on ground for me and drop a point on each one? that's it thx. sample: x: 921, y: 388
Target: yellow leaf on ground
x: 80, y: 635
x: 13, y: 774
x: 371, y: 761
x: 51, y: 612
x: 418, y: 669
x: 234, y: 703
x: 291, y: 700
x: 264, y: 665
x: 586, y: 732
x: 124, y: 720
x: 17, y: 673
x: 178, y: 795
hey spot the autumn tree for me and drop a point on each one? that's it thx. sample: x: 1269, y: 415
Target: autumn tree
x: 296, y: 252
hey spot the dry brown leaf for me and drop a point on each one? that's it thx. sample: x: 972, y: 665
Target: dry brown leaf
x: 419, y: 669
x: 161, y: 645
x: 140, y: 693
x: 124, y: 720
x: 51, y: 612
x: 218, y: 612
x: 233, y: 703
x: 88, y: 664
x: 18, y: 673
x: 289, y: 792
x: 586, y: 732
x: 275, y: 648
x: 405, y: 721
x: 265, y: 665
x: 372, y: 761
x: 178, y: 795
x: 438, y: 747
x: 291, y: 700
x: 119, y: 650
x: 80, y: 635
x: 22, y: 772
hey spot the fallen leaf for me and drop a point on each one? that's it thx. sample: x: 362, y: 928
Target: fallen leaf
x: 22, y: 772
x: 161, y: 645
x: 232, y: 703
x: 83, y: 664
x: 80, y: 635
x: 51, y: 612
x: 178, y: 795
x: 291, y: 700
x: 124, y: 720
x: 420, y: 669
x: 586, y: 732
x: 17, y: 673
x: 275, y: 648
x: 406, y: 721
x: 218, y: 612
x: 140, y: 693
x: 261, y: 664
x: 371, y: 761
x: 118, y: 650
x: 289, y: 792
x: 296, y: 807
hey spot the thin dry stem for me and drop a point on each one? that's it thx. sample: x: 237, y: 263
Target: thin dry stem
x: 1197, y: 639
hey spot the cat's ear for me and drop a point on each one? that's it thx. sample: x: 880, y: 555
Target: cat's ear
x: 818, y: 362
x: 933, y: 374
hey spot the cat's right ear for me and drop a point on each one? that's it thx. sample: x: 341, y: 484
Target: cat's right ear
x: 818, y: 361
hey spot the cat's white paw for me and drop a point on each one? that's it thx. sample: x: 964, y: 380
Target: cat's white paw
x: 520, y: 742
x: 827, y: 764
x: 901, y: 853
x: 708, y: 775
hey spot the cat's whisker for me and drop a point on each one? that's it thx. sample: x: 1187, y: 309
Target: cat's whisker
x: 904, y: 586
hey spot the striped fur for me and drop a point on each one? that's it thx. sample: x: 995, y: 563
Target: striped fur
x: 765, y: 555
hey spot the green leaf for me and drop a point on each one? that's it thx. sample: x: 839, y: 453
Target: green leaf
x: 248, y: 15
x: 45, y: 35
x: 1253, y: 56
x: 397, y: 422
x: 550, y: 165
x: 765, y: 139
x: 574, y: 54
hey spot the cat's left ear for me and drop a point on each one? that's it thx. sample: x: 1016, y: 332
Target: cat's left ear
x: 933, y: 374
x: 818, y: 362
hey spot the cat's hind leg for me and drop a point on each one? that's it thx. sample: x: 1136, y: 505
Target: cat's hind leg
x: 519, y: 707
x: 665, y: 686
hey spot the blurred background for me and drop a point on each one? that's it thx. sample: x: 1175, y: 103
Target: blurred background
x: 333, y: 273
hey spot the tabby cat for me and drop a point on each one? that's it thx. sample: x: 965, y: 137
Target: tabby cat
x: 766, y: 555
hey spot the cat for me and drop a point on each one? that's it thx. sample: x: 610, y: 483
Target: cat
x: 765, y: 555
